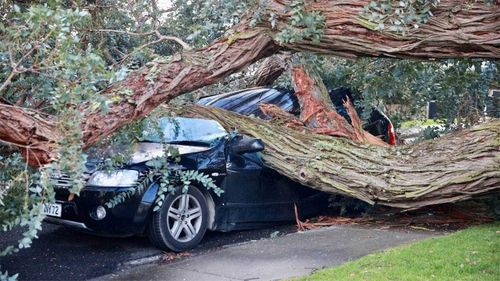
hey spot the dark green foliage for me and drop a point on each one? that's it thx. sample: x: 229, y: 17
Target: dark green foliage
x: 399, y: 16
x: 459, y: 87
x: 302, y: 25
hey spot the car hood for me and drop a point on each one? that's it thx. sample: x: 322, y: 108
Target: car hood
x: 144, y: 151
x: 139, y: 152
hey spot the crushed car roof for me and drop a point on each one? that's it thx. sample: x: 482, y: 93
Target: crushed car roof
x: 246, y: 101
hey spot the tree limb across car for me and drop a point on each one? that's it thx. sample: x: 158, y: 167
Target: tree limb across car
x: 465, y: 164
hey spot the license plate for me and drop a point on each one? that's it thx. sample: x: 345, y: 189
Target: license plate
x: 54, y: 210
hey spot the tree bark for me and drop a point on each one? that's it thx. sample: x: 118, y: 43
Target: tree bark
x: 141, y: 92
x: 448, y: 169
x: 270, y: 70
x: 456, y: 30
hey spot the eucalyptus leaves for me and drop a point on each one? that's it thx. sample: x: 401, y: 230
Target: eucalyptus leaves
x: 302, y: 25
x: 169, y: 176
x: 398, y: 16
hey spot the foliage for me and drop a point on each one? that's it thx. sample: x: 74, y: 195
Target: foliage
x: 303, y: 24
x: 168, y: 177
x: 422, y: 123
x: 54, y: 57
x: 403, y: 87
x: 400, y: 16
x: 4, y: 276
x: 207, y: 20
x: 185, y: 178
x: 470, y: 254
x: 44, y: 65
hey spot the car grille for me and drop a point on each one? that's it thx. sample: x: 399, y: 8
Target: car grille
x: 63, y: 180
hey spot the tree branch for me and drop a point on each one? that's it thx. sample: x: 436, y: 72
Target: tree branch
x: 161, y: 37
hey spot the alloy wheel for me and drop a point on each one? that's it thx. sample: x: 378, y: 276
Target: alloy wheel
x: 184, y: 217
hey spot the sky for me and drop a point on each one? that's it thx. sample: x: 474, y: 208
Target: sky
x: 164, y: 3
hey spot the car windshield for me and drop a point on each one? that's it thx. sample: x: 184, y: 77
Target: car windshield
x: 182, y: 130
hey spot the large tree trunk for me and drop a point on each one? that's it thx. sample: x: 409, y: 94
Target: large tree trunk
x: 456, y: 29
x: 370, y: 173
x: 141, y: 92
x: 452, y: 168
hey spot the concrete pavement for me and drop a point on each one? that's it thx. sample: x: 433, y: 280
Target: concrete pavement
x: 291, y: 255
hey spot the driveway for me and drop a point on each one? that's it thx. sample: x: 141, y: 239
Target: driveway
x: 291, y: 255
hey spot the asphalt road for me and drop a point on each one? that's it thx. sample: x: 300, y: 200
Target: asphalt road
x: 62, y: 254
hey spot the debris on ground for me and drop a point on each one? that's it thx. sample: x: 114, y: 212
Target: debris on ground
x: 432, y: 218
x: 275, y: 234
x: 171, y: 256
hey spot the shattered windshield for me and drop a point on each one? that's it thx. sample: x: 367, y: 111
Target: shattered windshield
x: 180, y: 129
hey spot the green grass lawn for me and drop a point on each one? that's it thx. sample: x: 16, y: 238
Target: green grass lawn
x: 471, y: 254
x: 422, y: 123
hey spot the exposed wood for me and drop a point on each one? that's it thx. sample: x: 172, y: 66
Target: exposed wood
x: 318, y: 113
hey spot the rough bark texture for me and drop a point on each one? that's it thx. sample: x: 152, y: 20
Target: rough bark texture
x: 34, y: 133
x: 452, y: 168
x: 146, y: 88
x: 270, y: 70
x: 456, y: 29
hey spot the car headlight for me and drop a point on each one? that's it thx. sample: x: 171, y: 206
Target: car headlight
x: 115, y: 178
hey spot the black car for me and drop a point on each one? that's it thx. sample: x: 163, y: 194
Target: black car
x: 253, y: 194
x: 246, y: 102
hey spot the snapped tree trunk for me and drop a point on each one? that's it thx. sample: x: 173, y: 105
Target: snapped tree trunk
x: 456, y: 30
x: 319, y: 114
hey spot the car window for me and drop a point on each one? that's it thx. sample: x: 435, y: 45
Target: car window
x: 180, y: 129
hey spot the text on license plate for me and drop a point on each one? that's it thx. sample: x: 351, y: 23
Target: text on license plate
x: 52, y: 209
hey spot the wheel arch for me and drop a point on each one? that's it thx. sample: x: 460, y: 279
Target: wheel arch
x: 210, y: 204
x: 151, y: 196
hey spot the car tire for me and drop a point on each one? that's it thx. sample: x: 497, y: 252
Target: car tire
x: 178, y: 226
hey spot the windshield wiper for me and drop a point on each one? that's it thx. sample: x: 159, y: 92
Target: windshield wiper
x: 189, y: 142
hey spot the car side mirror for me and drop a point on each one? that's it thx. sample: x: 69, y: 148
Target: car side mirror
x: 247, y: 145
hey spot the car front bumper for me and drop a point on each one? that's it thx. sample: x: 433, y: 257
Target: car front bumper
x: 125, y: 219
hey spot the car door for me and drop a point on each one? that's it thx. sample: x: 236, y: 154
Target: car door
x: 244, y: 194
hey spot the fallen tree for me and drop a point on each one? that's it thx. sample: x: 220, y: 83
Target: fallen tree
x: 449, y: 169
x: 471, y: 30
